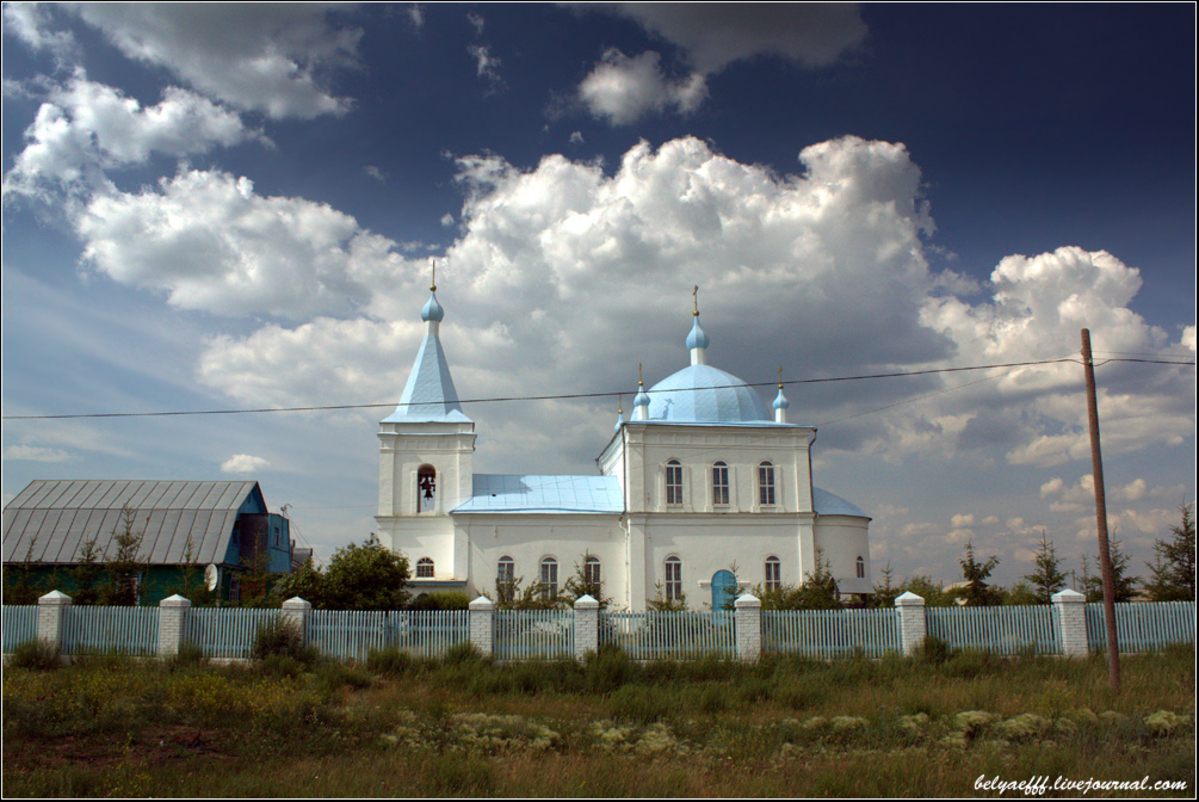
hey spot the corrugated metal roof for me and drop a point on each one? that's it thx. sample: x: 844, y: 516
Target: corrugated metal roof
x: 504, y: 493
x: 50, y: 520
x: 825, y: 503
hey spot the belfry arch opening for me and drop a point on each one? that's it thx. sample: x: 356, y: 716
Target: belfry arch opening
x: 426, y: 488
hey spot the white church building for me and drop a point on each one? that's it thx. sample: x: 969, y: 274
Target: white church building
x: 702, y: 481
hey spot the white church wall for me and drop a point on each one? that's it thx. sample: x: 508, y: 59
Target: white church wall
x: 843, y: 538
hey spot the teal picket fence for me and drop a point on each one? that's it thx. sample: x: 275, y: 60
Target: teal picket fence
x: 827, y: 634
x: 133, y: 630
x: 653, y: 635
x: 18, y: 624
x: 534, y: 634
x: 226, y: 632
x: 1142, y: 627
x: 353, y: 634
x: 1002, y: 630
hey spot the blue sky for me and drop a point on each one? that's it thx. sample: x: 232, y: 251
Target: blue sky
x: 234, y: 207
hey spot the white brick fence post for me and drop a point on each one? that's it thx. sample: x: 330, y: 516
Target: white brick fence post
x: 51, y: 615
x: 172, y: 624
x: 912, y: 627
x: 296, y: 612
x: 1072, y: 622
x: 748, y: 618
x: 586, y: 626
x: 482, y: 625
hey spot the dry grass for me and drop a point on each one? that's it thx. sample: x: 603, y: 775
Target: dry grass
x: 610, y: 729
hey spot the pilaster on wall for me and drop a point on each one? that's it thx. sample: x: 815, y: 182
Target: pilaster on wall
x: 748, y: 618
x: 51, y: 610
x: 482, y: 625
x: 295, y: 614
x: 1072, y: 622
x: 912, y: 627
x: 586, y: 626
x: 172, y: 624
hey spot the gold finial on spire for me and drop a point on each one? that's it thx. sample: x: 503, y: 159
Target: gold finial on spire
x: 695, y: 295
x: 619, y: 403
x: 433, y: 284
x: 780, y: 377
x: 639, y: 382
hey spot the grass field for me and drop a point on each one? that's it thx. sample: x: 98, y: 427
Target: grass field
x: 112, y: 726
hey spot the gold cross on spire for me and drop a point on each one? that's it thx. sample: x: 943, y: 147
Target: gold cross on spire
x: 639, y: 382
x: 433, y: 285
x: 780, y: 377
x: 695, y: 295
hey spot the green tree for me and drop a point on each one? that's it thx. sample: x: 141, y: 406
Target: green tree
x: 366, y: 577
x: 87, y: 573
x: 586, y: 581
x: 978, y: 592
x: 1020, y: 594
x: 125, y: 568
x: 1173, y: 568
x: 1124, y: 586
x: 1048, y: 578
x: 884, y: 595
x: 933, y: 594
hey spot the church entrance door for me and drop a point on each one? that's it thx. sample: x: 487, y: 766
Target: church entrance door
x: 724, y: 589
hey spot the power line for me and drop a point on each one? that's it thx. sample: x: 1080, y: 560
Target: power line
x: 568, y: 396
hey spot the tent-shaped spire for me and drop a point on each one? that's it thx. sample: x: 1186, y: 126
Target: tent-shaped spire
x: 429, y: 395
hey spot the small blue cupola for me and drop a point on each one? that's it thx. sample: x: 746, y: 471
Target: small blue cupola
x: 697, y: 341
x: 619, y: 413
x: 641, y: 402
x: 780, y: 402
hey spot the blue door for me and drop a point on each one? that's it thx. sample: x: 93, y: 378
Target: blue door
x: 724, y: 589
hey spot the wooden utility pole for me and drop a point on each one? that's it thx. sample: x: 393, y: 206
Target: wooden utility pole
x: 1105, y: 555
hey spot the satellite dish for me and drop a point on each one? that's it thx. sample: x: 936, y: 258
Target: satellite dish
x: 212, y: 575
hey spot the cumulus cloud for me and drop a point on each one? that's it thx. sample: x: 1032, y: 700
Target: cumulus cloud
x: 85, y: 129
x: 243, y: 463
x: 32, y: 24
x: 269, y: 57
x: 713, y: 35
x: 622, y: 89
x: 213, y: 244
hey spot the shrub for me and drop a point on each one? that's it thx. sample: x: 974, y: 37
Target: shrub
x: 465, y: 652
x: 332, y: 676
x: 36, y: 655
x: 933, y: 650
x: 390, y: 662
x: 189, y: 655
x: 608, y: 668
x: 278, y: 637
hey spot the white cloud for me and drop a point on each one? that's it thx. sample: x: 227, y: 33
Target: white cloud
x: 486, y: 65
x: 243, y: 463
x: 622, y: 89
x: 32, y: 24
x: 211, y: 243
x: 85, y: 129
x: 268, y: 57
x: 714, y: 35
x: 36, y: 454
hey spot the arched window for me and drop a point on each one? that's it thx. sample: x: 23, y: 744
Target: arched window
x: 424, y: 568
x: 426, y: 488
x: 505, y: 570
x: 720, y: 484
x: 766, y: 484
x: 674, y: 579
x: 549, y: 577
x: 674, y: 483
x: 591, y: 570
x: 774, y: 573
x: 861, y: 568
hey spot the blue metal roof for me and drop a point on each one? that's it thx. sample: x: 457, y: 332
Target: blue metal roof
x: 825, y: 503
x: 429, y: 394
x: 704, y: 394
x: 505, y: 493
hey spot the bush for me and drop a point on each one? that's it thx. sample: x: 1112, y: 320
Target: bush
x: 390, y: 662
x: 278, y: 637
x: 36, y: 655
x: 933, y: 650
x: 465, y: 652
x: 189, y: 656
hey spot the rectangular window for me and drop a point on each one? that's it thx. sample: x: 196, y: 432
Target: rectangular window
x: 720, y: 484
x: 674, y: 484
x: 766, y: 485
x: 549, y: 578
x: 774, y: 578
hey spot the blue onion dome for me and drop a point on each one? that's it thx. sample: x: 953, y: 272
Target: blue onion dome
x: 642, y: 399
x: 704, y: 394
x: 781, y: 402
x: 432, y: 310
x: 697, y: 338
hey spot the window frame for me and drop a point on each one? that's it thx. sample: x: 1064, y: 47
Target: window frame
x: 505, y: 562
x: 767, y: 496
x: 774, y: 573
x: 673, y: 578
x: 720, y: 484
x: 674, y: 489
x: 549, y: 589
x: 861, y: 567
x: 425, y: 568
x: 593, y: 570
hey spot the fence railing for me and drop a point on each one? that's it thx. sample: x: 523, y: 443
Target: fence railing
x: 18, y: 624
x: 653, y: 635
x: 353, y: 634
x: 534, y: 634
x: 826, y: 634
x: 226, y: 632
x: 1142, y: 627
x: 1003, y: 630
x: 133, y: 630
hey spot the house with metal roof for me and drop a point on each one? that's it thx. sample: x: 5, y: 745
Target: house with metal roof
x: 215, y: 529
x: 702, y: 492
